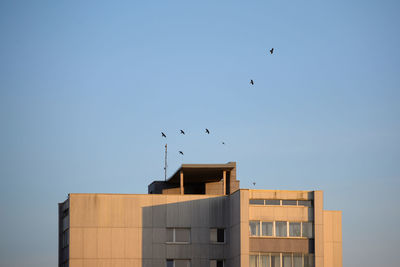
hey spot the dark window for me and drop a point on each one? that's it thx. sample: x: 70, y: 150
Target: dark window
x: 289, y: 202
x: 256, y: 201
x: 275, y: 260
x: 272, y: 202
x: 305, y: 203
x: 216, y: 263
x: 217, y: 235
x: 281, y: 229
x: 307, y: 229
x: 170, y: 263
x: 221, y: 236
x: 294, y: 229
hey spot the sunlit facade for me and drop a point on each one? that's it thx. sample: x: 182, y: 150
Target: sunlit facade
x: 200, y: 217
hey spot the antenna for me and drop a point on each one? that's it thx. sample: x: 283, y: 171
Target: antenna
x: 165, y: 163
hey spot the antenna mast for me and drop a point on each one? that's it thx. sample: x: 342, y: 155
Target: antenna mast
x: 165, y: 164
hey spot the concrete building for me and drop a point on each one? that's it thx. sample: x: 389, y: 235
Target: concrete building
x: 199, y: 217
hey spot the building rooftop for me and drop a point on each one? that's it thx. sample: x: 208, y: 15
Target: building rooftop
x: 199, y: 179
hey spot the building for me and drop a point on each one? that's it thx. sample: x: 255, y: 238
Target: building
x: 199, y: 217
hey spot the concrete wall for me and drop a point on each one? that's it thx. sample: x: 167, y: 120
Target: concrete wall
x: 215, y: 188
x: 130, y: 230
x: 332, y: 238
x: 244, y: 228
x: 319, y: 228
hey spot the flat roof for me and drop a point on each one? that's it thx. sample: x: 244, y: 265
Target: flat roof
x: 196, y: 173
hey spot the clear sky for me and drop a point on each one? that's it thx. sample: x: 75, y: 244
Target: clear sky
x: 86, y: 87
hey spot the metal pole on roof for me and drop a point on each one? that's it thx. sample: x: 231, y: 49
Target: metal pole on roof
x: 165, y: 164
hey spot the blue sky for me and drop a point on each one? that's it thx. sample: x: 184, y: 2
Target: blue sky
x: 86, y: 87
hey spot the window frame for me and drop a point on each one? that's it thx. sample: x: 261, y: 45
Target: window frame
x: 216, y: 262
x: 310, y: 256
x: 174, y: 236
x: 216, y: 242
x: 259, y: 224
x: 301, y: 228
x: 261, y: 229
x: 309, y: 202
x: 173, y: 262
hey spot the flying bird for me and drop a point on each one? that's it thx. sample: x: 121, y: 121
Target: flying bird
x: 182, y: 132
x: 223, y: 143
x: 180, y: 152
x: 251, y: 82
x: 271, y: 51
x: 207, y: 131
x: 163, y: 135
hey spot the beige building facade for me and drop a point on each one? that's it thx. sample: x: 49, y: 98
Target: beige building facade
x: 198, y: 218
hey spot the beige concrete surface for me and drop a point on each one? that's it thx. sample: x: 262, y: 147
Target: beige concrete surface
x: 131, y: 230
x: 125, y: 230
x: 332, y: 238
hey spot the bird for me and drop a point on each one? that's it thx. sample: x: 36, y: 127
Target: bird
x: 207, y: 131
x: 223, y: 143
x: 251, y: 82
x: 180, y: 152
x: 254, y: 183
x: 271, y: 51
x: 182, y: 132
x: 163, y: 135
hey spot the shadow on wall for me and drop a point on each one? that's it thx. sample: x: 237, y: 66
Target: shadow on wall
x: 181, y: 230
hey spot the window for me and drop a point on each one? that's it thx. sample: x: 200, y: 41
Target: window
x: 281, y: 229
x: 217, y: 235
x: 294, y: 229
x: 178, y: 235
x: 267, y: 228
x: 256, y: 201
x: 216, y: 263
x: 254, y: 228
x: 305, y: 203
x: 178, y: 263
x: 264, y: 261
x: 309, y: 261
x: 253, y: 261
x: 297, y: 260
x: 65, y: 239
x: 275, y: 260
x: 281, y: 260
x: 287, y: 260
x: 272, y: 202
x: 307, y: 229
x: 284, y: 202
x: 289, y: 202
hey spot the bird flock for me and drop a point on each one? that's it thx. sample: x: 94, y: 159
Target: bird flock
x: 183, y: 132
x: 271, y: 51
